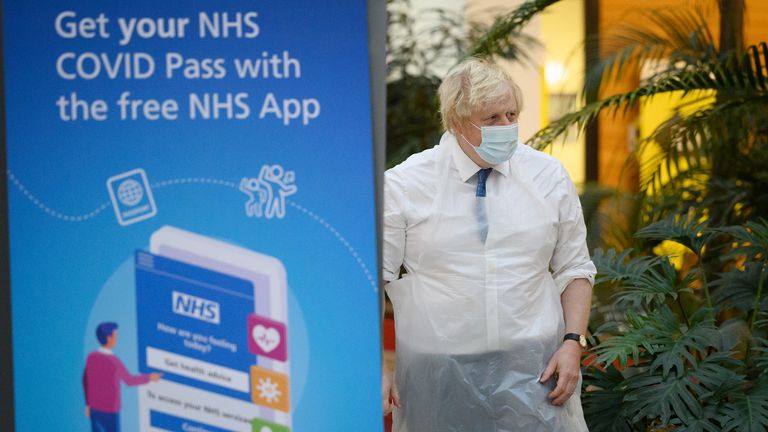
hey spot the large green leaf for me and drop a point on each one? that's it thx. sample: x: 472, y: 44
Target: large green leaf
x: 603, y: 402
x: 677, y: 346
x: 717, y: 376
x: 661, y: 340
x: 738, y: 288
x: 748, y: 409
x: 689, y: 400
x: 622, y: 341
x: 653, y: 396
x: 760, y: 354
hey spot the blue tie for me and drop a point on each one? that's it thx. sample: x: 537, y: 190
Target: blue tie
x: 482, y: 176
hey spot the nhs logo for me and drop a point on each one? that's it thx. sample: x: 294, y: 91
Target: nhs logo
x: 196, y: 307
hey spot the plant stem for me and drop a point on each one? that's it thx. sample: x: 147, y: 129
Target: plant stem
x: 705, y: 286
x: 756, y: 307
x: 682, y: 310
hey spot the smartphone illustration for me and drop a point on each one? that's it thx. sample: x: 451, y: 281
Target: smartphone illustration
x: 185, y: 283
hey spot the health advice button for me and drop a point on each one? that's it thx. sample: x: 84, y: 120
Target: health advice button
x: 198, y: 369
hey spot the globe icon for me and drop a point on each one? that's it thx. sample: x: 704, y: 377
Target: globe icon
x: 130, y: 192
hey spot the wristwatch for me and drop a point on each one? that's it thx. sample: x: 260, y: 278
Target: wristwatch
x: 581, y: 339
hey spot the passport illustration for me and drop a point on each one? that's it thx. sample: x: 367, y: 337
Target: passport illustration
x: 213, y: 317
x: 131, y: 197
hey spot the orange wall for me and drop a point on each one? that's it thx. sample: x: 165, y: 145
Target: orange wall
x: 756, y: 22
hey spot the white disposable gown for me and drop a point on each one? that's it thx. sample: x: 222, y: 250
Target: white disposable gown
x: 478, y: 312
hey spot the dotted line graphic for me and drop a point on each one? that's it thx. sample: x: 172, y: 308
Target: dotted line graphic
x: 50, y: 211
x: 339, y: 237
x: 190, y: 180
x: 199, y: 180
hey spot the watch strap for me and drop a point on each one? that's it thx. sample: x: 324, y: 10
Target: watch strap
x: 580, y: 339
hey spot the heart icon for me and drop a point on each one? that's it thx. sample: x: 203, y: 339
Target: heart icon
x: 266, y: 338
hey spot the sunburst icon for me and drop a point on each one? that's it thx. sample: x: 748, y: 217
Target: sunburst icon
x: 269, y: 388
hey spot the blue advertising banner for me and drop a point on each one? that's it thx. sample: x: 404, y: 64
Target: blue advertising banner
x: 191, y: 216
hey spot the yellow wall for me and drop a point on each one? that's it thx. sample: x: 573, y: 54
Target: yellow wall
x: 651, y: 116
x: 562, y: 30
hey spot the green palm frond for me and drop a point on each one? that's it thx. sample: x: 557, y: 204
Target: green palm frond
x: 684, y: 229
x: 499, y: 39
x: 655, y: 286
x: 739, y: 77
x: 690, y: 142
x: 640, y: 280
x: 762, y: 320
x: 752, y: 239
x: 676, y: 35
x: 675, y: 153
x: 617, y: 267
x: 580, y: 118
x: 712, y: 122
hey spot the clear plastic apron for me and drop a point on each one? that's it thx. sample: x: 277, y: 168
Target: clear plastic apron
x: 480, y: 316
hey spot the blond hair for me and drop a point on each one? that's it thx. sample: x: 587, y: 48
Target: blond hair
x: 470, y: 86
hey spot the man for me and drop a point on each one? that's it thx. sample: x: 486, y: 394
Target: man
x: 101, y: 381
x: 491, y: 313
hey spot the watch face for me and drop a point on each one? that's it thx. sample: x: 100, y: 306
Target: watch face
x: 582, y: 341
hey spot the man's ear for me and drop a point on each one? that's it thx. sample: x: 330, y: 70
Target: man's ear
x: 455, y: 128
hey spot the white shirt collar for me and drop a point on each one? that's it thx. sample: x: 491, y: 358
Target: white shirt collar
x: 105, y: 351
x: 466, y: 166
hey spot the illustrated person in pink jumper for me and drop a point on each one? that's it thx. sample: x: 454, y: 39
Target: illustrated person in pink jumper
x: 101, y: 381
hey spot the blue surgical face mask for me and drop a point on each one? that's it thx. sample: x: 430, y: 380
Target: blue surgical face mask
x: 498, y: 143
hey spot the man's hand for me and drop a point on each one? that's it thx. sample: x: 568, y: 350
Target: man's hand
x: 390, y: 398
x: 565, y: 364
x: 87, y: 411
x: 155, y: 377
